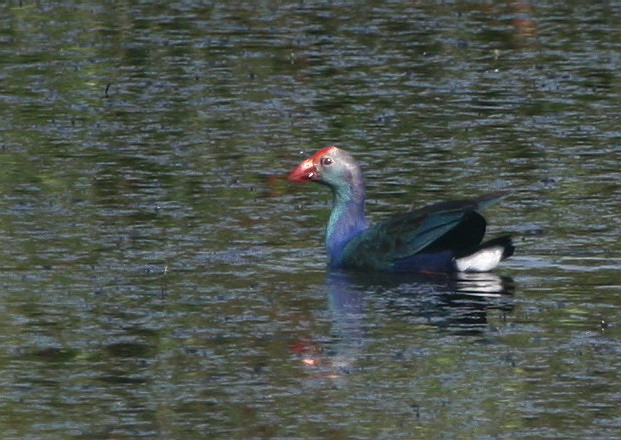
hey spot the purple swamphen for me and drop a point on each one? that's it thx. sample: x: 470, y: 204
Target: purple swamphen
x: 443, y: 237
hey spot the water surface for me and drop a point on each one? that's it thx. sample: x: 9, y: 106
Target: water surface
x: 161, y: 278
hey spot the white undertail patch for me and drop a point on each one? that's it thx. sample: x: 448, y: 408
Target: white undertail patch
x: 483, y: 260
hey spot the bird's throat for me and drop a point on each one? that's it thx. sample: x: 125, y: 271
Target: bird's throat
x: 347, y: 220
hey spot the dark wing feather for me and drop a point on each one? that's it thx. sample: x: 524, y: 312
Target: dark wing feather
x: 463, y: 239
x: 443, y: 226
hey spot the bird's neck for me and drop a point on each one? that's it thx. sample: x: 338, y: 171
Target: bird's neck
x: 347, y: 220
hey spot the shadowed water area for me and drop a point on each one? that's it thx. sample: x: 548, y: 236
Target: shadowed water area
x: 160, y: 278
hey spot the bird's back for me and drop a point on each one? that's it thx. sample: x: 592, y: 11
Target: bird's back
x: 425, y: 239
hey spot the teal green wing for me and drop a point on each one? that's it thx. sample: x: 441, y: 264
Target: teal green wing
x: 453, y: 225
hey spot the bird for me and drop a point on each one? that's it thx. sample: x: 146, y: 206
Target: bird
x: 444, y: 237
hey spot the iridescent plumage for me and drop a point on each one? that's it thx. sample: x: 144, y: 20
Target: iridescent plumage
x: 443, y: 237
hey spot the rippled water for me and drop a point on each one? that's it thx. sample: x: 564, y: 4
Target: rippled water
x: 161, y: 278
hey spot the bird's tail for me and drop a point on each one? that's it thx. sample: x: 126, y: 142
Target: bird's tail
x: 487, y: 256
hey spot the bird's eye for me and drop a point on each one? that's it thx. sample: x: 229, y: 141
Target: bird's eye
x: 326, y: 161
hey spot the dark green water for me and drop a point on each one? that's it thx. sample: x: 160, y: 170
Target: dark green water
x: 161, y: 278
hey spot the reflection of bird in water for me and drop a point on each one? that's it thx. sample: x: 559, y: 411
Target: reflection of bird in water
x: 457, y: 303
